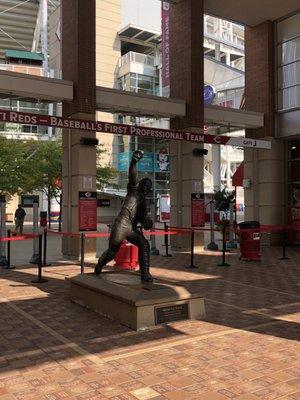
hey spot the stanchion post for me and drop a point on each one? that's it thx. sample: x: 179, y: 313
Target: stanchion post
x: 3, y: 259
x: 212, y: 245
x: 8, y: 266
x: 231, y: 243
x: 223, y: 263
x: 35, y: 256
x: 45, y: 247
x: 40, y: 279
x: 153, y: 249
x: 82, y: 245
x: 192, y: 265
x: 166, y: 237
x: 284, y: 257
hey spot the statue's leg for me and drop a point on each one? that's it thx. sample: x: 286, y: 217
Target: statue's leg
x: 118, y: 233
x: 138, y: 239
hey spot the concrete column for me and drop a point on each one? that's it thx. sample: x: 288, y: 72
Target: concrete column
x: 216, y: 166
x: 78, y: 65
x: 265, y: 199
x: 186, y: 83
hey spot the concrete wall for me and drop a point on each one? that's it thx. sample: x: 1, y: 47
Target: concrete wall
x: 54, y: 42
x: 108, y: 52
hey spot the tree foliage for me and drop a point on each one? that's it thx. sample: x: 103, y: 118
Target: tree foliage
x: 222, y: 199
x: 27, y: 166
x: 15, y: 163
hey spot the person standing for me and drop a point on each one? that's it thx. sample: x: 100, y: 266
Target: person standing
x: 19, y: 219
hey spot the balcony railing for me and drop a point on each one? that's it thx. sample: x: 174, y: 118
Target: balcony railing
x: 131, y: 56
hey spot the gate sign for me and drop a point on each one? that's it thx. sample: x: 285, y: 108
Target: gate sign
x: 87, y: 210
x: 198, y: 210
x: 131, y: 130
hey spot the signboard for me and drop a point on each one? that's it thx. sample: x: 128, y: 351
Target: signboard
x: 87, y: 211
x: 208, y: 94
x: 103, y: 202
x: 164, y: 208
x: 197, y: 210
x: 123, y: 161
x: 162, y: 161
x: 171, y: 313
x: 130, y: 130
x: 27, y: 200
x: 87, y: 182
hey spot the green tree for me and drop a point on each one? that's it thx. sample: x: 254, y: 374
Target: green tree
x: 28, y: 166
x: 15, y: 162
x: 46, y: 171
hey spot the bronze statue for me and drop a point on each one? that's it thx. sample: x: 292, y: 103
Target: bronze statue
x: 125, y: 226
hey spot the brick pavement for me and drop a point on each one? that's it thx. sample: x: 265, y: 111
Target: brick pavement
x: 246, y: 348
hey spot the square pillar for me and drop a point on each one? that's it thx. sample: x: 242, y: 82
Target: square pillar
x: 79, y: 66
x: 265, y: 199
x: 186, y: 83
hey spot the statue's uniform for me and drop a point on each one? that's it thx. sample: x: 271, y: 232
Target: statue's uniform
x: 133, y: 212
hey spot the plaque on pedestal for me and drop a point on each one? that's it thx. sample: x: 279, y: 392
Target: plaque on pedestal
x: 123, y: 297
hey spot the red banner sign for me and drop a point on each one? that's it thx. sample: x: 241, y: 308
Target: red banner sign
x: 131, y: 130
x: 198, y: 210
x: 87, y: 210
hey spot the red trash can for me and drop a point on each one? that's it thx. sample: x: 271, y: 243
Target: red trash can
x: 249, y: 235
x: 127, y: 257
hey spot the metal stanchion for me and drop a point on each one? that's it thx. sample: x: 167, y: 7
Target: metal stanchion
x: 153, y: 249
x: 231, y: 243
x: 3, y: 259
x: 284, y: 257
x: 40, y: 279
x: 166, y: 238
x: 223, y: 263
x: 35, y: 256
x: 82, y: 242
x: 8, y: 266
x: 212, y: 245
x: 192, y: 265
x: 45, y: 248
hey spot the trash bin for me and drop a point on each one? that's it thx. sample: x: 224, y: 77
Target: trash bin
x: 43, y: 219
x: 127, y: 257
x: 249, y: 236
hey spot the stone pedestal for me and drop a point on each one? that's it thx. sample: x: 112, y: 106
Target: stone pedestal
x: 123, y: 297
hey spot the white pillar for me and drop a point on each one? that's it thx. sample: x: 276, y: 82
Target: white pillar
x: 216, y: 166
x: 44, y: 34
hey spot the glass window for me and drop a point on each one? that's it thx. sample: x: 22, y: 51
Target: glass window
x: 289, y: 75
x: 289, y: 51
x: 289, y: 98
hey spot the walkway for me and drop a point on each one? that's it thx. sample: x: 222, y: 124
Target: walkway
x: 245, y: 349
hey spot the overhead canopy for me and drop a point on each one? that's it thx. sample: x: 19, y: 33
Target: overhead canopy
x: 221, y: 75
x: 143, y: 36
x: 250, y: 12
x: 24, y: 55
x: 238, y: 176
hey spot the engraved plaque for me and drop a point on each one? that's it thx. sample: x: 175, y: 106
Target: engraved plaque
x: 176, y: 312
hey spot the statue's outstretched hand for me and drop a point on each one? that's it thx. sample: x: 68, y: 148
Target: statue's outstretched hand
x: 137, y: 155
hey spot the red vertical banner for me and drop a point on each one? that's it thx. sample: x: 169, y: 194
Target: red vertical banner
x: 294, y: 221
x: 165, y: 29
x: 197, y: 210
x: 87, y: 211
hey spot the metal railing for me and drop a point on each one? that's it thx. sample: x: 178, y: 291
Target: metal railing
x: 132, y: 56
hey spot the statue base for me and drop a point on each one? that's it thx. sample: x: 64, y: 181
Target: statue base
x: 123, y: 297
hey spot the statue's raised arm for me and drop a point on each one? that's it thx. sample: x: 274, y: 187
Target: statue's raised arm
x: 132, y: 173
